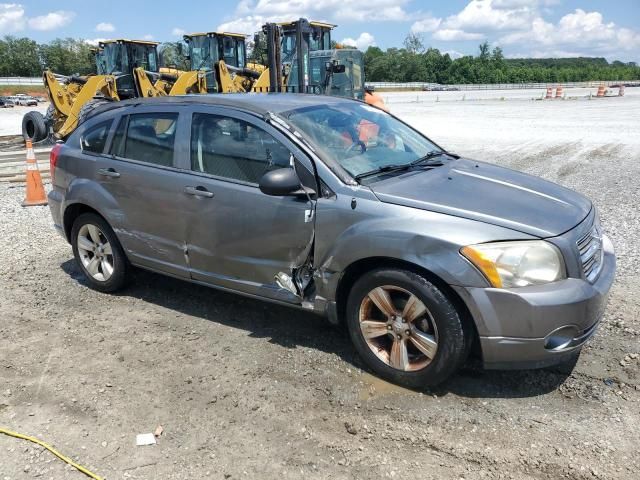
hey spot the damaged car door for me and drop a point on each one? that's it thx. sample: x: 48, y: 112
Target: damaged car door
x: 239, y: 237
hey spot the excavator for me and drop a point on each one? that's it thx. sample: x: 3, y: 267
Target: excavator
x: 125, y: 69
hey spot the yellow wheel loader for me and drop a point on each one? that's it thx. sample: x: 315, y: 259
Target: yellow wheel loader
x: 223, y: 57
x: 125, y: 69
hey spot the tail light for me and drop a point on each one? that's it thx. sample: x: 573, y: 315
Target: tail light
x: 53, y: 160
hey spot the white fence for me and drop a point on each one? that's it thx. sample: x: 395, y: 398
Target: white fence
x: 20, y: 80
x: 494, y: 86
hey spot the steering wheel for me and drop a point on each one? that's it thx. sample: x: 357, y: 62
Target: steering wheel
x: 360, y: 143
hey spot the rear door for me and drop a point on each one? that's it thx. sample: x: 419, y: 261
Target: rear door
x: 238, y: 237
x: 139, y: 173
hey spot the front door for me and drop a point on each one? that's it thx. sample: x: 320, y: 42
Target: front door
x: 238, y: 237
x: 140, y: 176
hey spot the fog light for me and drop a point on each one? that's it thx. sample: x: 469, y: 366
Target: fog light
x: 561, y: 338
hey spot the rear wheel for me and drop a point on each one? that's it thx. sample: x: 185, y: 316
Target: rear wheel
x: 99, y: 253
x: 34, y: 126
x: 405, y: 328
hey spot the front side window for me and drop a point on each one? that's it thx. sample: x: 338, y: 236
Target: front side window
x: 95, y: 138
x: 146, y: 137
x: 234, y: 149
x: 360, y: 138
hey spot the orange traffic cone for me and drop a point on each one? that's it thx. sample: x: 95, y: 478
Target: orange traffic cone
x: 549, y: 93
x: 35, y: 189
x: 559, y: 92
x: 621, y: 91
x: 601, y: 91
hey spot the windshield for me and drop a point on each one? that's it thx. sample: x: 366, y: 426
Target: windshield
x: 112, y: 58
x: 360, y: 138
x: 200, y: 52
x: 143, y: 56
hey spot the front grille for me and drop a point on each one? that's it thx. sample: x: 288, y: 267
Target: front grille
x: 591, y: 253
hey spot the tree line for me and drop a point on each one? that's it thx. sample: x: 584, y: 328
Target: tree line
x: 415, y: 63
x: 411, y: 63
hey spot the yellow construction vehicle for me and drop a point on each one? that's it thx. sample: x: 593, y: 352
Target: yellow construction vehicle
x: 125, y: 69
x: 223, y: 56
x: 300, y: 59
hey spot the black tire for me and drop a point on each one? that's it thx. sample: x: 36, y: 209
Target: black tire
x: 119, y: 261
x: 453, y: 342
x: 89, y: 107
x: 34, y: 126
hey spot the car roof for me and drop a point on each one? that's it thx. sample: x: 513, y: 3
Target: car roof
x: 258, y: 103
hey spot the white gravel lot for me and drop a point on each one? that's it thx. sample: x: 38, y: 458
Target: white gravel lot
x: 11, y: 118
x: 250, y: 390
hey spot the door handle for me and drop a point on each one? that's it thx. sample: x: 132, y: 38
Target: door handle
x: 108, y: 172
x: 198, y: 192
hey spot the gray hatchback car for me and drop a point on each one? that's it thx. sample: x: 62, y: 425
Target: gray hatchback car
x: 339, y: 208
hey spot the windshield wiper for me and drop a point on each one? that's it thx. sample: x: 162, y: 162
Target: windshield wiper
x: 386, y: 168
x: 424, y: 161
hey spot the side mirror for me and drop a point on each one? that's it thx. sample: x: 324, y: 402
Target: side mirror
x: 280, y: 183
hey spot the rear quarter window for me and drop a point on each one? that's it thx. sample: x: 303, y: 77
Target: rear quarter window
x: 94, y: 139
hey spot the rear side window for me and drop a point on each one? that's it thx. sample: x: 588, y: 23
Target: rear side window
x: 235, y: 149
x: 146, y: 137
x: 95, y: 138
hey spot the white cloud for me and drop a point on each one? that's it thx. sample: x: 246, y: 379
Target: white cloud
x: 178, y: 32
x: 250, y: 15
x: 248, y: 24
x: 105, y: 27
x: 94, y: 41
x: 11, y: 18
x: 482, y: 15
x: 364, y: 41
x: 51, y: 20
x: 427, y: 24
x: 148, y: 37
x: 451, y: 35
x: 579, y: 32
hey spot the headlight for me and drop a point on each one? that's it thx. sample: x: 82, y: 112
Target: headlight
x: 517, y: 264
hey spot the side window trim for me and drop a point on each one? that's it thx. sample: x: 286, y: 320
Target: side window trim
x: 251, y: 120
x: 158, y: 110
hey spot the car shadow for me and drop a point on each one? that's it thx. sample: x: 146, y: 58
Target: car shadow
x: 292, y: 328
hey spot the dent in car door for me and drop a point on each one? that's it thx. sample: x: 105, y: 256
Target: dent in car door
x: 240, y: 238
x: 141, y: 178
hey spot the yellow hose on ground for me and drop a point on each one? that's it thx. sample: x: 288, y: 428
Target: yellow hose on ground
x: 80, y: 468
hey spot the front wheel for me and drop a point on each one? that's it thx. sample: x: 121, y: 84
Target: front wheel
x: 405, y: 328
x: 99, y: 253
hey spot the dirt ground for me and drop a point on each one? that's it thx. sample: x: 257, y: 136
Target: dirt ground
x: 245, y: 389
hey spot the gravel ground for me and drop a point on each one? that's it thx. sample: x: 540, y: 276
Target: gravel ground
x: 246, y: 389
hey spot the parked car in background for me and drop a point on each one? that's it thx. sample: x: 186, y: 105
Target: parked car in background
x: 5, y: 102
x: 24, y: 100
x: 338, y: 208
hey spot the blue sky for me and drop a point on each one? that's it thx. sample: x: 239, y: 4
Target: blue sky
x: 521, y: 27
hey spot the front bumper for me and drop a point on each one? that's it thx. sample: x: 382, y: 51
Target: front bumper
x: 518, y: 328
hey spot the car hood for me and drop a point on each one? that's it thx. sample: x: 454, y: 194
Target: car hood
x: 491, y: 194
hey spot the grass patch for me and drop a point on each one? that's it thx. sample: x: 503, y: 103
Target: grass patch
x: 38, y: 90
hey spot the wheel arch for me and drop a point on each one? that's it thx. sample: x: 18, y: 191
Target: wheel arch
x: 362, y: 266
x: 72, y: 212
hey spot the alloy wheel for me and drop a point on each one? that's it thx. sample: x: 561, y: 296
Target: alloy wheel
x: 95, y: 252
x: 398, y: 328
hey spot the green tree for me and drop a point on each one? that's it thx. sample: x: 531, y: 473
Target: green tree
x: 172, y: 55
x: 68, y: 56
x: 19, y: 57
x: 414, y: 43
